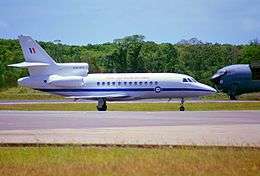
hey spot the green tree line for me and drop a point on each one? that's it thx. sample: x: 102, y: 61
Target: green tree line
x: 134, y: 54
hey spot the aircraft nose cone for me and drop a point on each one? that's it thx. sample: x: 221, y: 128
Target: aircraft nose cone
x: 215, y: 78
x: 211, y: 89
x: 208, y: 89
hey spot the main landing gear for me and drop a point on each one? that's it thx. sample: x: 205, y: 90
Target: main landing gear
x: 232, y: 97
x: 232, y: 92
x: 182, y: 108
x: 102, y: 105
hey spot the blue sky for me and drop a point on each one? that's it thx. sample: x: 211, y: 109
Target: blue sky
x: 97, y: 21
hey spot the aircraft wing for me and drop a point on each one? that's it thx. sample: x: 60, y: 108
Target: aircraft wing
x: 113, y: 95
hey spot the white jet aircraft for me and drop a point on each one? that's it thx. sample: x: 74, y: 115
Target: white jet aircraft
x: 73, y: 81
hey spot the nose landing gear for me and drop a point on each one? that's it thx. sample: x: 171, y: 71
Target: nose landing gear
x: 182, y: 108
x: 102, y: 105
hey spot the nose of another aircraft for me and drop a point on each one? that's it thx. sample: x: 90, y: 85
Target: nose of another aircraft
x: 215, y: 78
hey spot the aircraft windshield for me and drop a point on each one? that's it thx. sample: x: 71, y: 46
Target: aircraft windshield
x: 184, y: 80
x: 189, y: 80
x: 193, y: 80
x: 222, y: 72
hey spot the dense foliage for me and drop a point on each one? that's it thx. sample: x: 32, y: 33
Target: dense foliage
x: 133, y: 54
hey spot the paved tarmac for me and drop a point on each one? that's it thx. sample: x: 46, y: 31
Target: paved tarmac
x: 238, y: 128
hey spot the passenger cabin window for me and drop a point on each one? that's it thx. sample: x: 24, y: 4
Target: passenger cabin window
x: 80, y: 67
x: 184, y: 80
x: 136, y: 83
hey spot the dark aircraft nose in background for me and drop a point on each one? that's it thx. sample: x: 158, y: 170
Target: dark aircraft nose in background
x: 237, y: 79
x: 217, y: 76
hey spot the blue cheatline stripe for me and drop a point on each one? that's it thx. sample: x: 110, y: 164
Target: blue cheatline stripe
x: 121, y: 89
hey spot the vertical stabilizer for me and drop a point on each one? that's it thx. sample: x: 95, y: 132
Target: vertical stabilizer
x: 33, y: 52
x: 39, y: 63
x: 37, y: 60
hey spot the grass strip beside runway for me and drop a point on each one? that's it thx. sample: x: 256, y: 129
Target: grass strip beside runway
x: 23, y: 93
x: 100, y: 161
x: 207, y: 106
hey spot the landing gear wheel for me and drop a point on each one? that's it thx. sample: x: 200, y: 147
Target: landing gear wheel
x: 182, y: 108
x: 103, y: 108
x: 232, y: 97
x: 233, y: 92
x: 102, y: 105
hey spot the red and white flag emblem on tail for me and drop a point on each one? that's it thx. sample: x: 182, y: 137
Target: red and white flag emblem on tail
x: 32, y: 50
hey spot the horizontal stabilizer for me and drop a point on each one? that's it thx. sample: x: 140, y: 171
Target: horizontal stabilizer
x: 29, y: 64
x: 100, y: 96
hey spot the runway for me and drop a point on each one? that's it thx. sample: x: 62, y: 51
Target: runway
x: 238, y: 128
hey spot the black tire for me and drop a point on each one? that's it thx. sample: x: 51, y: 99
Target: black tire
x: 233, y: 91
x: 182, y: 108
x: 232, y: 97
x: 103, y: 108
x: 99, y: 109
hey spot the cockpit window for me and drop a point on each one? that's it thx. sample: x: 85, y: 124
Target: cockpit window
x: 193, y: 80
x: 189, y: 79
x: 184, y: 80
x: 222, y: 72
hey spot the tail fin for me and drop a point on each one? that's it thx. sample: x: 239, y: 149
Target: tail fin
x: 37, y: 60
x: 33, y: 52
x: 39, y: 63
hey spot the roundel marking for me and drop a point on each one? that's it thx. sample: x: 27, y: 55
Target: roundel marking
x: 157, y: 89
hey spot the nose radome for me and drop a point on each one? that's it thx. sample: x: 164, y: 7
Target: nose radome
x: 207, y: 88
x: 210, y: 89
x: 215, y: 78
